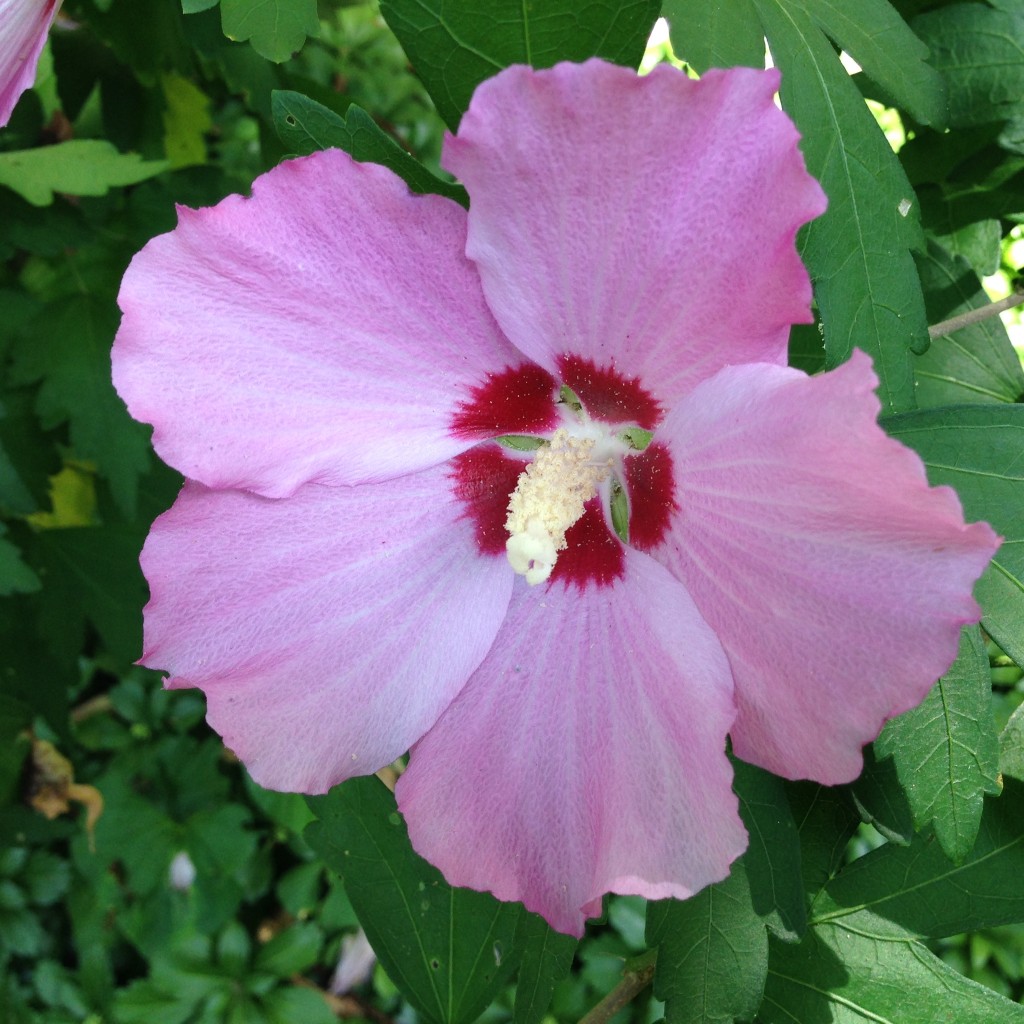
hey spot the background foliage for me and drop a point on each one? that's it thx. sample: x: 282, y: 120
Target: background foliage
x: 144, y: 878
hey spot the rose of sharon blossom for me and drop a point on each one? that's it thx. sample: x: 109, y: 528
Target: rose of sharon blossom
x: 358, y: 565
x: 23, y: 28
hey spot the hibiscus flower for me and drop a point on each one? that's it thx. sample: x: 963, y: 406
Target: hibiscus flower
x: 23, y: 28
x: 530, y: 489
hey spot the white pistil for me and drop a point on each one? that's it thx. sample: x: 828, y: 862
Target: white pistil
x: 549, y: 497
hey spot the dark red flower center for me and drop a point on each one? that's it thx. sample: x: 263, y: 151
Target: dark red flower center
x: 527, y: 402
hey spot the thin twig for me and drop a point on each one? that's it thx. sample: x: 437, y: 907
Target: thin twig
x: 974, y: 316
x: 94, y: 706
x: 632, y: 984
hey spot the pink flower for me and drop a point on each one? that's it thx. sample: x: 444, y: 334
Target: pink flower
x: 330, y: 362
x: 23, y: 28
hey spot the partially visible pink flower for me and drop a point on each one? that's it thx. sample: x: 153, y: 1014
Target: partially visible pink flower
x: 23, y: 28
x: 355, y: 964
x: 330, y: 363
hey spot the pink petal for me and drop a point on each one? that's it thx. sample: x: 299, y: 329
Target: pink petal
x: 23, y: 28
x: 641, y: 222
x: 586, y: 755
x: 325, y: 329
x: 329, y: 629
x: 836, y: 578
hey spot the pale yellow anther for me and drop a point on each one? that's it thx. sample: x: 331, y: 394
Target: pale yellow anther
x: 548, y: 499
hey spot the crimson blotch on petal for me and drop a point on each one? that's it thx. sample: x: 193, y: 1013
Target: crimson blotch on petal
x: 530, y: 490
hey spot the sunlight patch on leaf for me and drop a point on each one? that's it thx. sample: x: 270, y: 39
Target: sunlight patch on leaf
x: 81, y: 167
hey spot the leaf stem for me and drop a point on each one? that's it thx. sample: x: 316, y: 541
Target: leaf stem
x: 974, y: 316
x: 634, y: 980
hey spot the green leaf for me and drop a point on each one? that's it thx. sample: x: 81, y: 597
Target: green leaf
x: 22, y: 933
x: 455, y: 44
x: 974, y: 364
x: 292, y: 951
x: 806, y: 348
x: 712, y: 953
x: 984, y: 183
x: 1011, y: 746
x: 29, y: 668
x: 287, y: 810
x: 873, y: 974
x: 875, y: 35
x: 448, y: 950
x: 979, y: 49
x: 976, y: 449
x: 946, y: 751
x: 234, y: 948
x: 46, y: 878
x: 999, y: 594
x: 91, y: 573
x: 11, y: 896
x: 29, y: 456
x: 919, y: 889
x: 880, y: 799
x: 547, y: 958
x: 857, y: 252
x: 67, y: 348
x: 861, y: 959
x: 135, y: 832
x: 825, y: 820
x: 299, y: 889
x: 274, y: 28
x: 15, y: 576
x: 145, y: 34
x: 292, y: 1005
x: 306, y: 126
x: 718, y: 35
x: 186, y: 120
x: 219, y: 838
x: 772, y: 860
x: 979, y: 243
x: 15, y: 718
x: 81, y: 167
x: 143, y: 1002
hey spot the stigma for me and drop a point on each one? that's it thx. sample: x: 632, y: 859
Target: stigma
x: 550, y: 496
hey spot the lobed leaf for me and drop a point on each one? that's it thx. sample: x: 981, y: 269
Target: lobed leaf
x: 862, y: 958
x: 891, y: 55
x: 772, y: 860
x: 448, y: 950
x: 547, y: 958
x: 15, y: 718
x: 306, y: 126
x: 80, y: 167
x: 92, y: 574
x: 979, y: 243
x: 718, y: 35
x: 455, y: 44
x: 712, y: 953
x: 880, y: 799
x: 919, y: 889
x: 67, y: 349
x: 826, y: 820
x: 979, y: 49
x: 867, y: 288
x: 1011, y: 746
x: 979, y: 450
x: 274, y: 28
x: 974, y: 364
x: 946, y: 751
x: 852, y: 974
x: 15, y: 576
